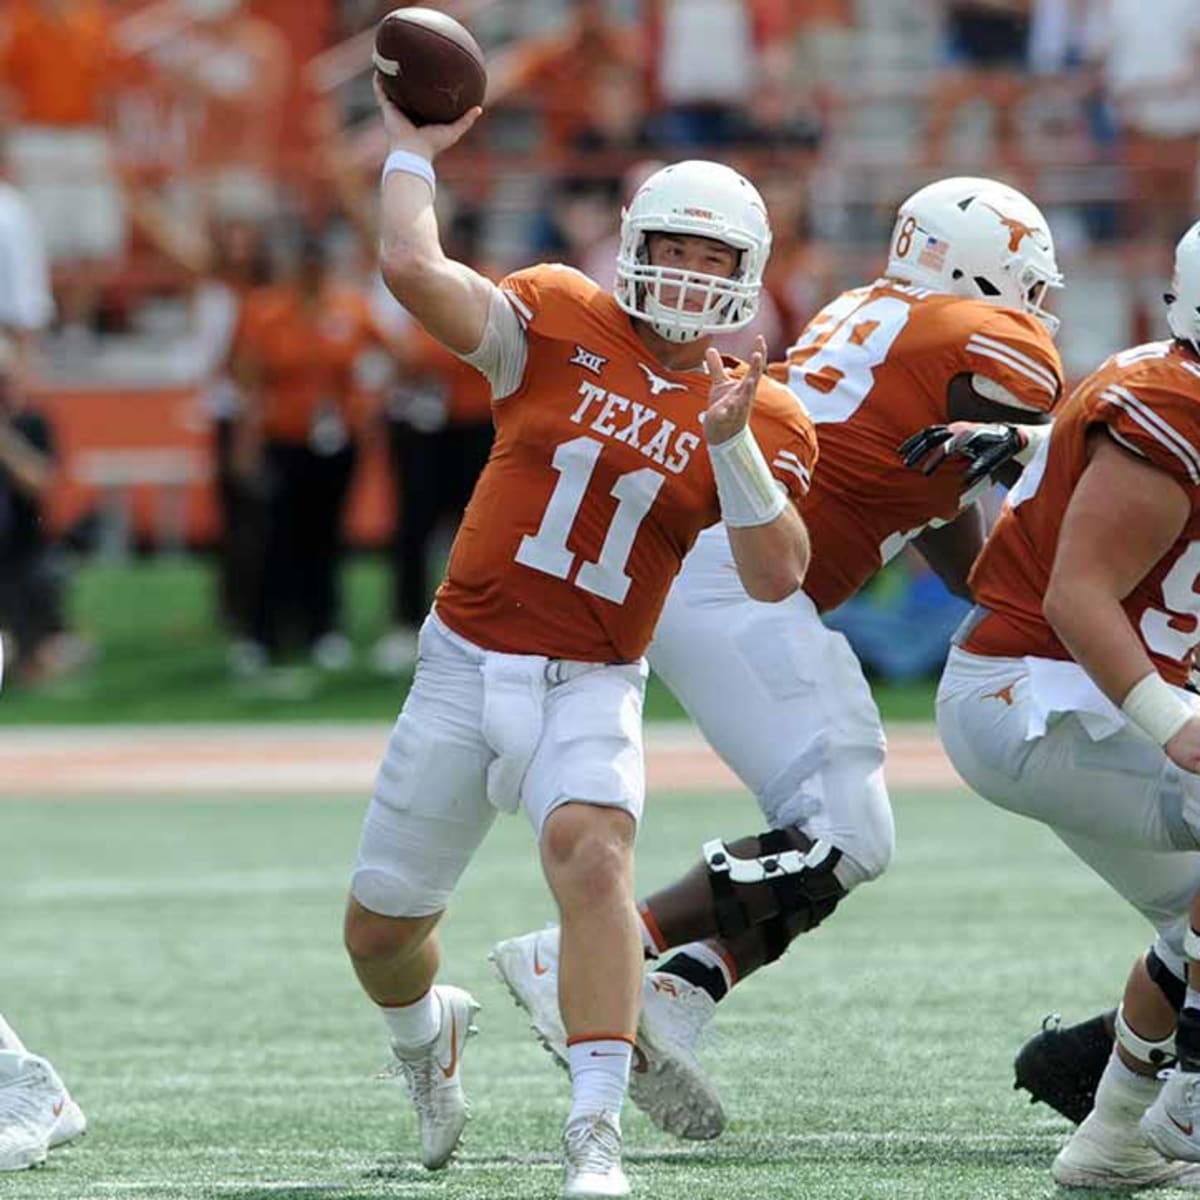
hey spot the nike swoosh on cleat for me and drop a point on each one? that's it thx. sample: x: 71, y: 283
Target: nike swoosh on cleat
x: 1186, y: 1129
x: 57, y: 1109
x: 538, y: 969
x: 447, y: 1072
x: 606, y: 1054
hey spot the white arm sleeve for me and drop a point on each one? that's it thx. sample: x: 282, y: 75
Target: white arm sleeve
x: 502, y: 352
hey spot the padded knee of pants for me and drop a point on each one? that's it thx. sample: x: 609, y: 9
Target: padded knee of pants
x: 392, y: 895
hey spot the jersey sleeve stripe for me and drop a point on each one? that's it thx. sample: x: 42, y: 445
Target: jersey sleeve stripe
x: 523, y: 309
x: 1038, y: 368
x: 1017, y: 363
x: 1169, y: 432
x: 1124, y: 441
x: 1158, y: 429
x: 793, y: 468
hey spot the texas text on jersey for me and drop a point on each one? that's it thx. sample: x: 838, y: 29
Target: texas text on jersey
x: 873, y: 368
x: 598, y: 482
x: 1148, y: 399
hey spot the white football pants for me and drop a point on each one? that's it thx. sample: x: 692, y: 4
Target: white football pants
x: 784, y: 703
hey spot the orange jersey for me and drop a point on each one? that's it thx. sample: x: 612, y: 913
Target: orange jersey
x: 598, y: 482
x: 873, y: 368
x: 59, y: 65
x: 1148, y: 398
x: 303, y: 355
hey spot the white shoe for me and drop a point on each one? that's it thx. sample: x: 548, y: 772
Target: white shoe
x: 667, y: 1081
x: 31, y: 1099
x: 528, y: 967
x: 1104, y: 1155
x: 70, y: 1125
x: 1170, y: 1123
x: 592, y: 1153
x: 395, y: 652
x: 433, y: 1074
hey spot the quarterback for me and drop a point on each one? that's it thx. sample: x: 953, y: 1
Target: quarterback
x: 620, y: 434
x: 954, y: 335
x: 1064, y: 701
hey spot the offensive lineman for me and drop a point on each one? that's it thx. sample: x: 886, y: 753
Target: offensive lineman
x: 1064, y: 701
x: 955, y: 332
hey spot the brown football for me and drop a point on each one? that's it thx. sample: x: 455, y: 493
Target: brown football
x: 431, y: 68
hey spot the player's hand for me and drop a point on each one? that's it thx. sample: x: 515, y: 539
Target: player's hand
x: 1184, y: 748
x: 730, y: 399
x: 985, y: 447
x: 426, y: 140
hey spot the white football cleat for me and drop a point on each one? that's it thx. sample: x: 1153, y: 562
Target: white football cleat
x: 528, y: 967
x: 592, y: 1154
x: 667, y: 1081
x: 433, y: 1074
x: 1170, y: 1123
x: 1111, y: 1157
x: 32, y: 1098
x: 70, y: 1125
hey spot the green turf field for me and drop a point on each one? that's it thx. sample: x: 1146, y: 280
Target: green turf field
x: 161, y: 657
x: 180, y: 961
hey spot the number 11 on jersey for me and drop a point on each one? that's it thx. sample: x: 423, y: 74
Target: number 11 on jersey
x: 546, y: 550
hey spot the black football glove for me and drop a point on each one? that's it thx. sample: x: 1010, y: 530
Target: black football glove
x: 986, y: 447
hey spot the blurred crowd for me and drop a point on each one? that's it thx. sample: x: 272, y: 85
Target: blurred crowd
x: 188, y: 194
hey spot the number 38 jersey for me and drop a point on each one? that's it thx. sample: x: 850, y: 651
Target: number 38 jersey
x: 873, y: 368
x: 598, y: 481
x: 1148, y: 399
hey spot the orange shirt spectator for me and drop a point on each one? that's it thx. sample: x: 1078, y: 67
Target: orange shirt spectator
x: 299, y: 356
x: 58, y: 62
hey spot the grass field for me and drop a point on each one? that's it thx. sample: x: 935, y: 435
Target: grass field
x: 161, y: 657
x: 179, y: 959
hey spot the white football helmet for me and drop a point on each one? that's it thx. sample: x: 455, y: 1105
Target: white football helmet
x: 1183, y: 300
x: 977, y: 238
x: 701, y: 199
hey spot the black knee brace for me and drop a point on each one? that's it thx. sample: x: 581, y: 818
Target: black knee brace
x: 786, y: 889
x: 1172, y: 987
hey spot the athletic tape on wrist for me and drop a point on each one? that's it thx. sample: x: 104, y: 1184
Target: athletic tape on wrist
x: 410, y: 164
x: 1155, y: 709
x: 747, y: 490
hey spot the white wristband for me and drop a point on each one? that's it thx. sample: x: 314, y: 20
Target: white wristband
x: 1035, y: 435
x: 747, y: 490
x: 1156, y: 709
x: 410, y: 164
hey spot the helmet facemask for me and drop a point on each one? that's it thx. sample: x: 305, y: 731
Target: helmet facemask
x: 659, y: 295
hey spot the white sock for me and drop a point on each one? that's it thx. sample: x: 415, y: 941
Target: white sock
x: 1123, y: 1095
x: 1192, y: 999
x: 9, y: 1039
x: 599, y: 1075
x: 415, y: 1024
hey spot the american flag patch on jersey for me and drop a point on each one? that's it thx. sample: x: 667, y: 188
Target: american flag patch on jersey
x: 934, y: 253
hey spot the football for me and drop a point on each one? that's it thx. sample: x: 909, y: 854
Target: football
x: 430, y: 66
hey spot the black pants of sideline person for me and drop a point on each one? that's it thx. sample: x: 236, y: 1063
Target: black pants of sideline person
x: 299, y: 589
x: 436, y: 473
